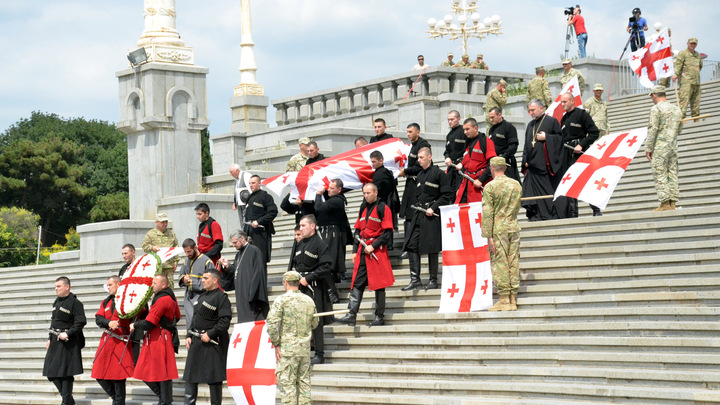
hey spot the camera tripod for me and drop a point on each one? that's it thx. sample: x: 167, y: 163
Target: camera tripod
x: 569, y: 34
x: 635, y: 37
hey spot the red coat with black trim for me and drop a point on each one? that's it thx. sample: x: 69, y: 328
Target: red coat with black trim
x: 108, y: 364
x: 157, y: 356
x: 476, y: 164
x: 371, y: 229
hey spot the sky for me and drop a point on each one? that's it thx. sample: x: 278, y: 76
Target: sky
x: 61, y: 56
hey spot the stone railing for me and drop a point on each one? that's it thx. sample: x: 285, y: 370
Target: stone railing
x: 433, y: 82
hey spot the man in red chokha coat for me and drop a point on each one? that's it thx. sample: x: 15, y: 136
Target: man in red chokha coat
x: 156, y: 366
x: 114, y: 358
x: 372, y: 268
x: 478, y: 152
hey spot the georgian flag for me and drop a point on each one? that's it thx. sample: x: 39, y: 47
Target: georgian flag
x: 466, y: 275
x: 352, y: 167
x: 573, y: 87
x: 654, y: 61
x: 277, y: 184
x: 251, y: 365
x: 596, y: 173
x: 168, y: 253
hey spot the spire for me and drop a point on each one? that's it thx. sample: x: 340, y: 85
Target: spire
x: 248, y: 83
x: 160, y: 37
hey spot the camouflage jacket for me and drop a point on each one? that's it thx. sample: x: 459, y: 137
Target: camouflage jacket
x: 538, y: 88
x: 663, y: 127
x: 495, y: 99
x: 154, y: 237
x: 296, y: 163
x: 501, y: 203
x: 687, y: 67
x: 447, y: 63
x: 462, y: 64
x: 290, y: 323
x: 481, y: 65
x: 598, y: 112
x: 567, y: 76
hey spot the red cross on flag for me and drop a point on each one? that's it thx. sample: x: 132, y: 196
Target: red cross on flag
x: 352, y: 167
x: 277, y: 184
x: 572, y: 87
x: 466, y: 275
x: 168, y: 253
x: 654, y: 61
x: 251, y: 365
x: 596, y: 173
x: 136, y: 285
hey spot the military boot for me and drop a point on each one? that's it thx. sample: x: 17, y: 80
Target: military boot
x: 354, y: 306
x: 672, y: 205
x: 319, y: 358
x: 664, y: 206
x: 191, y: 393
x: 379, y: 308
x: 415, y: 282
x: 502, y: 305
x: 433, y: 270
x: 513, y: 302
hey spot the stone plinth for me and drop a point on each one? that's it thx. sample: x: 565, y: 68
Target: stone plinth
x: 181, y: 210
x: 102, y: 241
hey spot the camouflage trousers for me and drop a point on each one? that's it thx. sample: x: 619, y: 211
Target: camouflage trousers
x: 665, y: 172
x: 690, y: 94
x: 293, y: 380
x: 505, y: 264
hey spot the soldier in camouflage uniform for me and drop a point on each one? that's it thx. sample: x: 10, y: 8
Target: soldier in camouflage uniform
x: 501, y: 203
x: 290, y: 324
x: 160, y: 237
x: 497, y: 97
x: 569, y: 73
x: 538, y: 88
x: 597, y: 108
x: 465, y: 62
x: 297, y: 162
x: 687, y: 67
x: 661, y: 148
x: 479, y: 64
x: 449, y: 61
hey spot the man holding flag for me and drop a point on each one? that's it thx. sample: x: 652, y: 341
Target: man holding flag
x: 661, y: 148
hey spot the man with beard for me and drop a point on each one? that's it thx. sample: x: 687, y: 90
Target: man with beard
x: 379, y: 126
x: 579, y: 131
x: 191, y: 276
x: 334, y: 228
x: 156, y: 366
x: 504, y: 136
x: 478, y: 152
x: 454, y: 149
x: 206, y: 361
x: 433, y: 190
x: 259, y: 215
x: 113, y: 360
x: 541, y: 162
x: 248, y: 277
x: 312, y: 260
x: 63, y: 359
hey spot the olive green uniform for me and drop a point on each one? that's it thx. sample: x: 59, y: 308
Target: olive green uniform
x: 663, y: 129
x: 296, y: 163
x: 567, y: 76
x: 501, y: 203
x: 290, y: 324
x: 447, y: 63
x: 598, y: 112
x: 687, y: 68
x: 539, y: 89
x: 463, y: 64
x: 162, y: 239
x: 494, y: 99
x: 481, y: 65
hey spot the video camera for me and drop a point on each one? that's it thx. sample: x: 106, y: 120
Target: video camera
x: 569, y: 10
x: 634, y: 19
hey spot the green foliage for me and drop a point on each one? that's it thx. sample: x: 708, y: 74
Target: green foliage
x: 519, y: 88
x: 205, y: 156
x: 18, y: 237
x: 59, y: 167
x: 111, y: 207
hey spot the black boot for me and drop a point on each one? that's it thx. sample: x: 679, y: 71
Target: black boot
x: 166, y: 394
x: 596, y: 211
x: 433, y: 269
x: 119, y: 392
x: 354, y: 306
x: 379, y: 308
x: 191, y: 393
x: 378, y: 321
x: 216, y: 394
x: 319, y: 358
x: 108, y: 387
x: 415, y: 282
x: 333, y: 296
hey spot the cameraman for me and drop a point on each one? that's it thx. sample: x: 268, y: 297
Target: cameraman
x: 578, y: 23
x: 637, y: 27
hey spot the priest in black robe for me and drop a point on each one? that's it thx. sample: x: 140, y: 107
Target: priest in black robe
x: 206, y: 361
x: 248, y: 277
x: 260, y: 212
x: 541, y: 162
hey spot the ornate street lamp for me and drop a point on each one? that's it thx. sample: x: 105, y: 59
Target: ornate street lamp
x: 468, y: 24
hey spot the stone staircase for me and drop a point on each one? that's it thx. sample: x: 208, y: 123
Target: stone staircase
x: 622, y: 308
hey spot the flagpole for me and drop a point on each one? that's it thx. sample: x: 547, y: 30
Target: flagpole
x: 677, y: 96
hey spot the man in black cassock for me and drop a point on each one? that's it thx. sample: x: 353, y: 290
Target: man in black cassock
x: 206, y: 361
x: 63, y: 359
x: 248, y: 277
x: 433, y: 190
x: 299, y: 208
x: 504, y: 136
x: 386, y: 184
x: 260, y: 212
x: 312, y: 261
x: 541, y: 162
x: 578, y: 131
x: 334, y: 228
x: 454, y: 149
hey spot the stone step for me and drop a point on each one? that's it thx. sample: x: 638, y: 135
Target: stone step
x: 321, y: 397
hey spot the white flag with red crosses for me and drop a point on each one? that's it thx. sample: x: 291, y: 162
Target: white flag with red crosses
x: 653, y: 61
x: 596, y: 173
x: 573, y: 87
x: 251, y: 365
x: 467, y: 278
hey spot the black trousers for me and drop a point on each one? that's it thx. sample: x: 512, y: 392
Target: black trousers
x: 64, y: 386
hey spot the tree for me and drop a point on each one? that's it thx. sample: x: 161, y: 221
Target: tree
x: 18, y: 237
x: 110, y: 207
x: 205, y: 156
